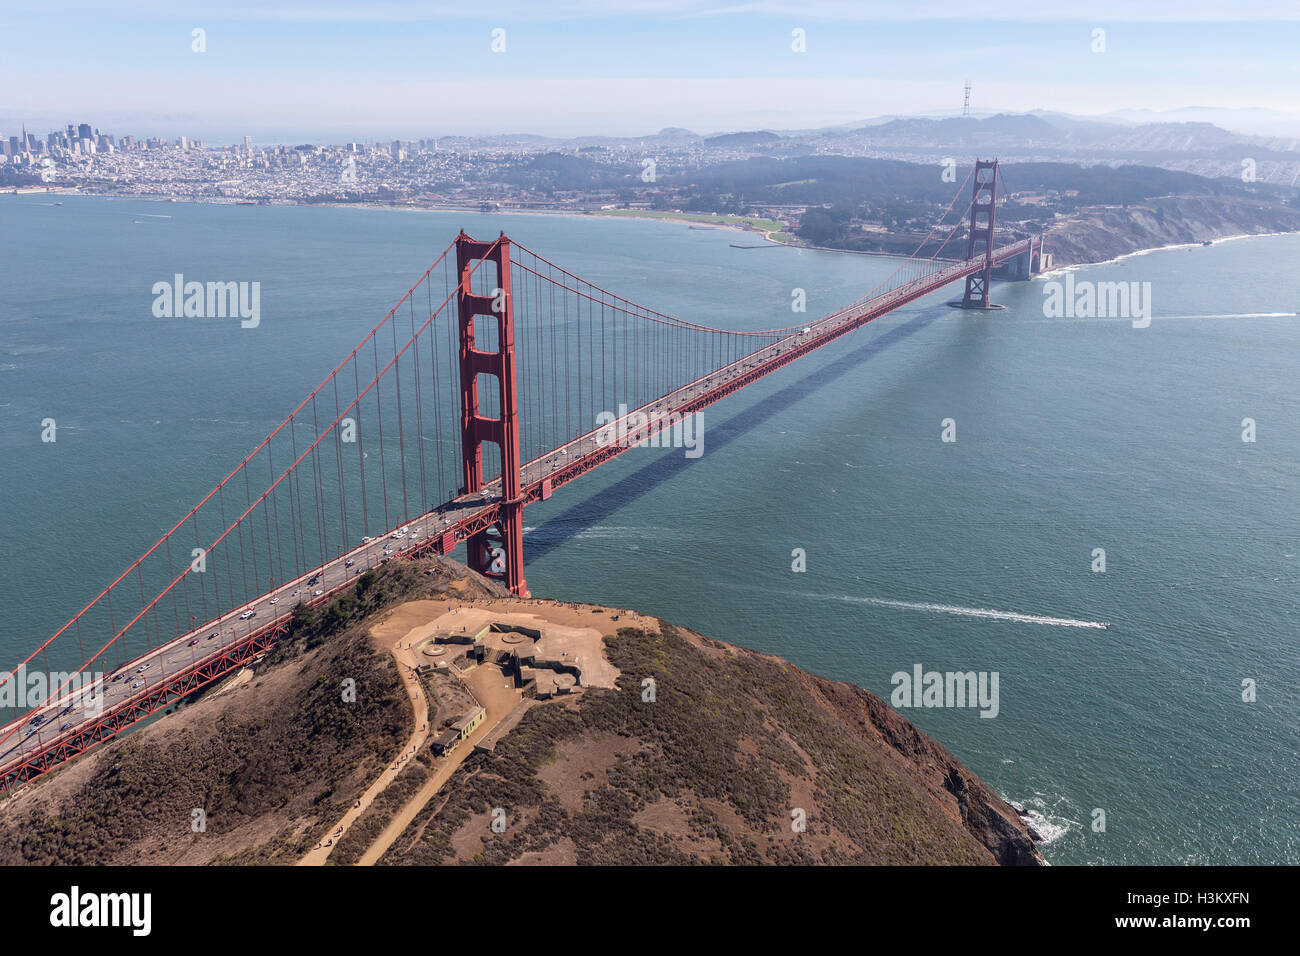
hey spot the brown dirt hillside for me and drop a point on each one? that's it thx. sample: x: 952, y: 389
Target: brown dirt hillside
x: 735, y: 748
x: 271, y: 762
x: 714, y: 771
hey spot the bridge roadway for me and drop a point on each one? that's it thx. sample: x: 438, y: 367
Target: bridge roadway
x: 48, y: 735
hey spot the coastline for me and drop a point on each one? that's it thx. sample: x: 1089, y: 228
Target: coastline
x: 1074, y: 266
x: 766, y: 235
x: 423, y: 207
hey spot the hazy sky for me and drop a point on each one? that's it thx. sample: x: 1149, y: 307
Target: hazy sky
x: 296, y: 71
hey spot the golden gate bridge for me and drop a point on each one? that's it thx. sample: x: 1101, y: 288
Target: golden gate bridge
x: 477, y: 395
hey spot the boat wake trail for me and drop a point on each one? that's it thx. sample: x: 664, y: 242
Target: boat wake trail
x: 966, y: 611
x: 984, y: 612
x: 1236, y: 315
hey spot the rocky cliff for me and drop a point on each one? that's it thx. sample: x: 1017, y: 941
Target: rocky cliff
x: 1101, y: 233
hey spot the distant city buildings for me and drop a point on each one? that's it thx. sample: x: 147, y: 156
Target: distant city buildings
x: 487, y: 174
x: 83, y: 157
x: 64, y: 153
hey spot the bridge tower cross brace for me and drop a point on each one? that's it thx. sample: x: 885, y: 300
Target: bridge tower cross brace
x: 500, y: 557
x: 982, y: 213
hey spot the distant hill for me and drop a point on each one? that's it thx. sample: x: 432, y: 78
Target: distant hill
x: 759, y: 138
x: 1185, y: 140
x: 830, y: 179
x: 1021, y: 128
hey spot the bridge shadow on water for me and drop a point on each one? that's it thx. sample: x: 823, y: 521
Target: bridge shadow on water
x: 604, y: 504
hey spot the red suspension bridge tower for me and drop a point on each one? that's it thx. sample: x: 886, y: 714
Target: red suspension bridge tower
x: 499, y: 556
x: 982, y: 214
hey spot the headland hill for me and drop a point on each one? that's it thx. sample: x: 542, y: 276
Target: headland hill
x: 427, y: 716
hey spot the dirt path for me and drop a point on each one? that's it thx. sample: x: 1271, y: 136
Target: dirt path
x: 497, y: 694
x: 405, y: 658
x: 403, y: 631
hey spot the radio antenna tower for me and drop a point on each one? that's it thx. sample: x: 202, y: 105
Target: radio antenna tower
x: 965, y: 106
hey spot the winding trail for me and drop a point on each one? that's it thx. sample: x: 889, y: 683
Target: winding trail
x: 405, y: 658
x: 498, y: 696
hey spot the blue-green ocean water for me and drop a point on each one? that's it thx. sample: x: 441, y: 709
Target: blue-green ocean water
x: 1072, y: 434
